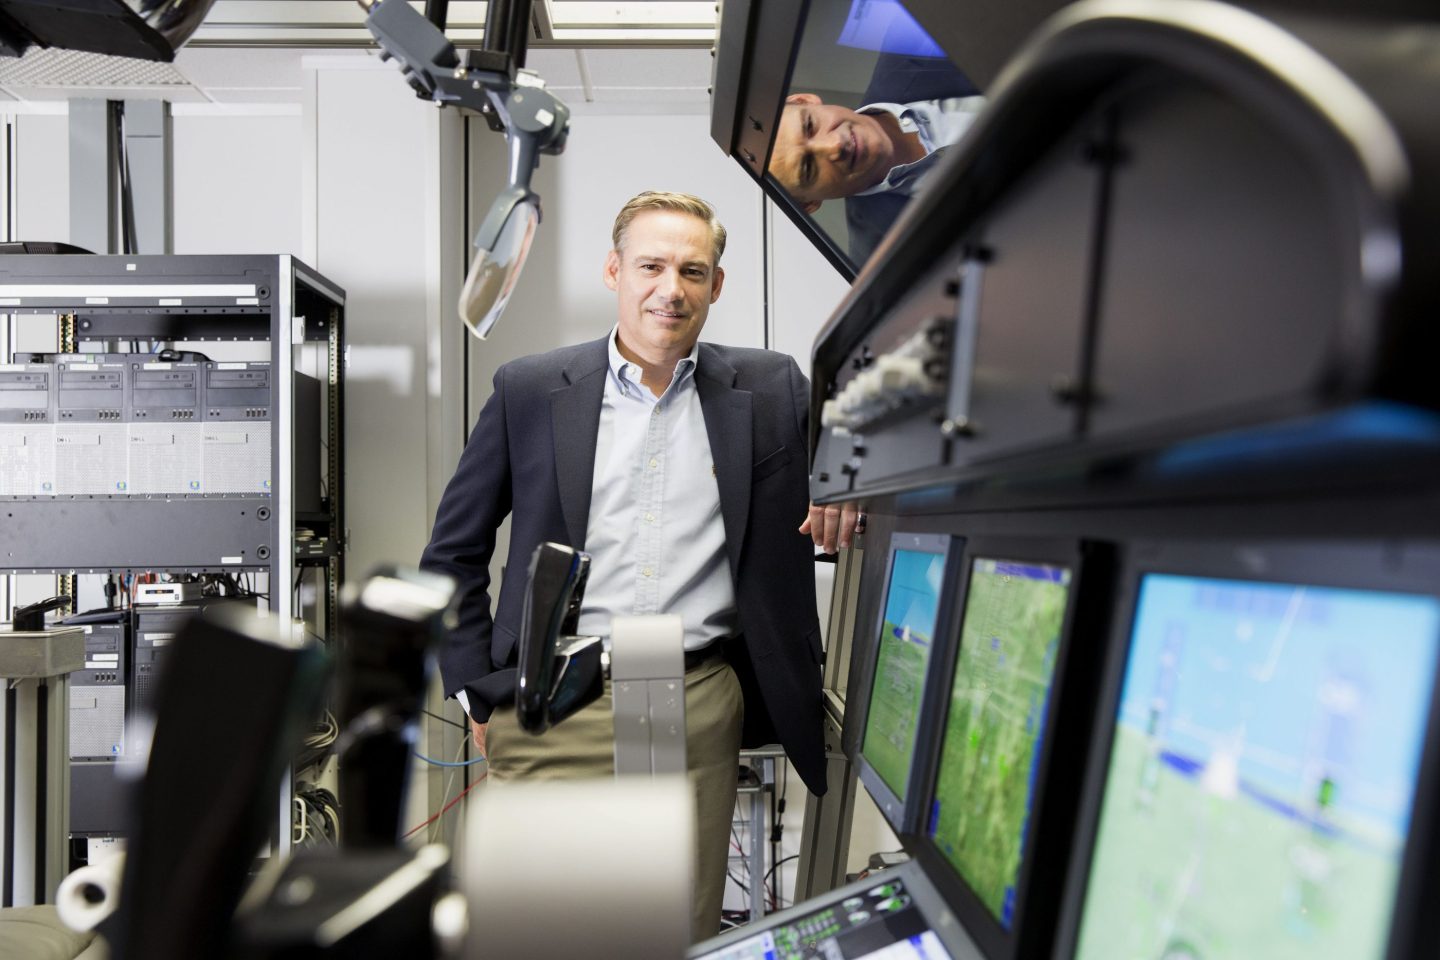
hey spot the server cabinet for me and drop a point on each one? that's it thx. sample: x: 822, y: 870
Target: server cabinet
x: 149, y: 442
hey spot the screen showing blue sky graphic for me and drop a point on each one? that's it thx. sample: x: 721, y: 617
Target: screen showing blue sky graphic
x: 902, y: 661
x: 914, y: 598
x: 1263, y: 769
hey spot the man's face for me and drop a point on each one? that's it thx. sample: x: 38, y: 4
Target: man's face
x: 824, y: 152
x: 666, y: 279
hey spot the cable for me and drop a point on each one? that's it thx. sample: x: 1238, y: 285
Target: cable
x: 329, y: 730
x: 463, y: 750
x: 453, y: 723
x: 300, y: 831
x: 445, y: 763
x: 771, y: 871
x: 443, y: 810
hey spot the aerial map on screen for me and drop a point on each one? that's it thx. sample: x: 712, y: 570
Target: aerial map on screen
x: 1262, y: 772
x: 906, y: 635
x: 1014, y: 613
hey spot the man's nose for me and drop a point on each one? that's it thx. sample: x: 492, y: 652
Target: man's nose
x: 670, y: 287
x: 835, y: 145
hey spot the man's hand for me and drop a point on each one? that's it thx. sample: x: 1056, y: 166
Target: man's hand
x: 833, y: 525
x: 477, y: 733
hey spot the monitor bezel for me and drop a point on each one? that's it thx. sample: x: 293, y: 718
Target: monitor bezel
x: 1059, y: 770
x: 1382, y: 566
x: 902, y: 814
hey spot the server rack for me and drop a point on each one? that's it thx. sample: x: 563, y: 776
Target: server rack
x: 123, y: 462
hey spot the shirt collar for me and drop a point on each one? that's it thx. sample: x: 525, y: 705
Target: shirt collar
x: 938, y: 123
x: 627, y: 375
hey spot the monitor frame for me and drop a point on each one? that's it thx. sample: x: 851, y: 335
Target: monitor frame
x: 755, y: 57
x: 1380, y: 566
x: 903, y: 814
x: 1064, y: 747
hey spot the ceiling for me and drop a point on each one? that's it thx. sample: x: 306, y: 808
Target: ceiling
x: 254, y: 51
x: 567, y: 23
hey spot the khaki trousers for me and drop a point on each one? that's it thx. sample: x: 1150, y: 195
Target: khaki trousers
x: 584, y: 746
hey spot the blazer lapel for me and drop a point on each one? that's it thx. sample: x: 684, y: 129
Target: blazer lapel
x: 728, y: 426
x: 574, y: 423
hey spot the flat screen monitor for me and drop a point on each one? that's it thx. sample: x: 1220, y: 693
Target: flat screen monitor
x: 910, y: 626
x: 997, y: 720
x: 1265, y: 747
x: 843, y: 109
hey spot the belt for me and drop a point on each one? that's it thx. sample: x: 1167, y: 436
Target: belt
x: 693, y: 658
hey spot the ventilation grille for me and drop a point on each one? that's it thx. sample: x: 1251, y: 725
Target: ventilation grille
x: 73, y: 68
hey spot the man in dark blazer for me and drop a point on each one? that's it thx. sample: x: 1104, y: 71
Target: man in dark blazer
x: 533, y: 455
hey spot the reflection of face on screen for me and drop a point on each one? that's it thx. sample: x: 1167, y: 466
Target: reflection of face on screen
x: 872, y: 103
x: 989, y: 758
x: 906, y: 639
x: 1262, y: 772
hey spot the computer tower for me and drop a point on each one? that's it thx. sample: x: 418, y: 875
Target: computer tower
x: 97, y: 693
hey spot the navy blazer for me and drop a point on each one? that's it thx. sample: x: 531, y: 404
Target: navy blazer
x: 532, y: 455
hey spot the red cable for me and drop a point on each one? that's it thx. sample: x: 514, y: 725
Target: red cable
x: 445, y: 809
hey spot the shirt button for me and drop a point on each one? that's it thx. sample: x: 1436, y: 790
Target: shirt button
x: 654, y: 463
x: 647, y: 572
x: 649, y: 518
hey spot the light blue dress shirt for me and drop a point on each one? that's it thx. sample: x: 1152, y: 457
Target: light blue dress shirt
x: 655, y: 534
x: 938, y: 124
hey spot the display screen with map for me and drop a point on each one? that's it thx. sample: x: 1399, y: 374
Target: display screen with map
x: 907, y: 633
x: 991, y: 750
x: 1262, y: 773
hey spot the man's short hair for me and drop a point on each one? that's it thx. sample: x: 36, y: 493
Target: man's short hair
x: 679, y: 203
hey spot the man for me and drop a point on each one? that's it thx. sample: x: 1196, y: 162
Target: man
x: 681, y: 468
x: 877, y: 156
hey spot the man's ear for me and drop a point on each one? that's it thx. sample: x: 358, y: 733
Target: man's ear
x: 810, y: 206
x: 809, y: 98
x: 612, y: 269
x: 716, y: 283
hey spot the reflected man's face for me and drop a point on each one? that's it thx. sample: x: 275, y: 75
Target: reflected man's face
x: 824, y: 152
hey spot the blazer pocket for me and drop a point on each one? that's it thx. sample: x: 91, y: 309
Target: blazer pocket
x: 769, y: 464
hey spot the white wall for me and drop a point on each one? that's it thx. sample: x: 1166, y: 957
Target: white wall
x: 42, y: 177
x: 236, y: 178
x: 376, y: 160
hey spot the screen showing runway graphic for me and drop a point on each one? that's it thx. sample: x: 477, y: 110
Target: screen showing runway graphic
x: 907, y: 633
x: 1262, y: 772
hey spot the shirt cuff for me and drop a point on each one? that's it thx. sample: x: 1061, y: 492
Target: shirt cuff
x: 464, y: 700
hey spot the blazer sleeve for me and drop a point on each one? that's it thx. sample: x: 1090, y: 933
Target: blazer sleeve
x: 800, y: 389
x: 477, y: 499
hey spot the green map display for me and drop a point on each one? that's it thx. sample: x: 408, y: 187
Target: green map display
x: 1014, y: 613
x: 906, y: 633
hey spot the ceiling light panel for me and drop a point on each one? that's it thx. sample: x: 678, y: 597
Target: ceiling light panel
x: 315, y: 23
